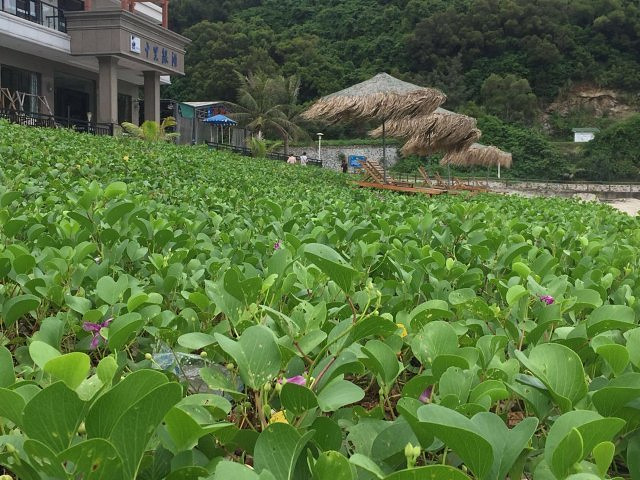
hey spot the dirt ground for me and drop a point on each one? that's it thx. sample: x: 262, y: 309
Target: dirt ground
x: 630, y: 206
x: 627, y: 205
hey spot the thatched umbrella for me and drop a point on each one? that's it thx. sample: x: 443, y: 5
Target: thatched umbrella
x: 442, y: 131
x: 382, y: 98
x: 477, y: 154
x: 453, y: 143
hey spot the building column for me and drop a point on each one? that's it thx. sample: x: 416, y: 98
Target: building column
x: 107, y: 90
x: 152, y: 96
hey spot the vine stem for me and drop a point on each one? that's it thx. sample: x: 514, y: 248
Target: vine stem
x: 353, y: 309
x: 304, y: 355
x: 258, y: 400
x: 324, y: 370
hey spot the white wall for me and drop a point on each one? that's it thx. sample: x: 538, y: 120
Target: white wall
x: 581, y: 137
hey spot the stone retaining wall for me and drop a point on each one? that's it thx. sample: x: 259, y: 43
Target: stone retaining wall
x: 566, y: 188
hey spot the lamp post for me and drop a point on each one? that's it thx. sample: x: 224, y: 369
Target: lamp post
x: 319, y: 145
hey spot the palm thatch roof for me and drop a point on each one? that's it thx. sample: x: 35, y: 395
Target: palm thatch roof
x: 382, y: 97
x: 478, y: 154
x: 454, y: 142
x: 442, y: 131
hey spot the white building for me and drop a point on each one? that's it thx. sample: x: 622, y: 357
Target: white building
x: 581, y: 135
x: 86, y: 60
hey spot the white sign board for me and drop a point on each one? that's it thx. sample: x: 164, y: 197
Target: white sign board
x: 135, y: 44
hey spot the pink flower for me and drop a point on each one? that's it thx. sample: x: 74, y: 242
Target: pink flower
x: 298, y: 380
x: 425, y: 397
x: 548, y: 299
x: 95, y: 328
x: 277, y: 245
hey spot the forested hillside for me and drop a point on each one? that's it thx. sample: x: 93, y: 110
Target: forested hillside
x: 528, y: 70
x: 453, y: 44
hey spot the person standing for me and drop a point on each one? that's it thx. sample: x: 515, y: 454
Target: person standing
x: 344, y: 165
x: 291, y: 160
x: 303, y: 158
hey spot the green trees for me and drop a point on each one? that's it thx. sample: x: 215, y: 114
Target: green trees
x: 614, y: 154
x: 455, y: 44
x: 509, y: 97
x: 534, y: 156
x: 269, y: 106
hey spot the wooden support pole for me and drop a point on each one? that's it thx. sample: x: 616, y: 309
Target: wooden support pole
x: 165, y: 13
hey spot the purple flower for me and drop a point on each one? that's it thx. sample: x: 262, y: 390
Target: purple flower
x: 548, y: 299
x: 94, y: 328
x: 298, y: 380
x: 425, y: 397
x: 277, y: 245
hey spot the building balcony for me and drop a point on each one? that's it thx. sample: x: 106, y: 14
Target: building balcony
x: 49, y: 15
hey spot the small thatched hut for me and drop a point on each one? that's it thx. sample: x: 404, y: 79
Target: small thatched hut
x: 481, y: 155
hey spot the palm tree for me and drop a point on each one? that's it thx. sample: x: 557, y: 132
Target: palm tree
x: 268, y: 106
x: 152, y: 131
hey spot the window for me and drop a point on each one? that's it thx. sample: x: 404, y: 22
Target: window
x: 9, y: 6
x: 24, y: 81
x: 124, y: 108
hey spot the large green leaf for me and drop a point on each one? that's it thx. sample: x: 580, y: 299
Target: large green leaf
x: 122, y: 329
x: 429, y: 311
x: 435, y: 338
x: 332, y: 264
x: 41, y: 353
x: 7, y: 375
x: 72, y: 368
x: 560, y: 369
x: 136, y: 424
x: 515, y: 293
x: 561, y: 446
x: 115, y: 189
x: 507, y: 444
x: 109, y: 290
x: 460, y: 434
x: 231, y: 470
x: 297, y: 399
x: 107, y: 410
x: 11, y: 406
x: 381, y: 360
x: 53, y: 416
x: 612, y: 397
x: 408, y: 408
x: 610, y: 317
x: 16, y: 307
x: 256, y: 353
x: 389, y: 444
x: 328, y: 435
x: 435, y: 472
x: 337, y: 394
x: 94, y: 459
x: 332, y: 465
x: 277, y: 450
x: 185, y: 431
x: 567, y: 453
x: 196, y: 340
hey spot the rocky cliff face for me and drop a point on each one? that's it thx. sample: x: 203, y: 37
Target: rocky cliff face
x: 601, y: 102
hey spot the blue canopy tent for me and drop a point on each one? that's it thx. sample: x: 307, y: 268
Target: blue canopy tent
x: 220, y: 121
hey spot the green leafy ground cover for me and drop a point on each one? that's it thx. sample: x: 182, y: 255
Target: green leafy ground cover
x: 485, y: 337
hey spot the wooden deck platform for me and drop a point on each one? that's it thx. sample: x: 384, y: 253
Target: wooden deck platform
x: 400, y: 188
